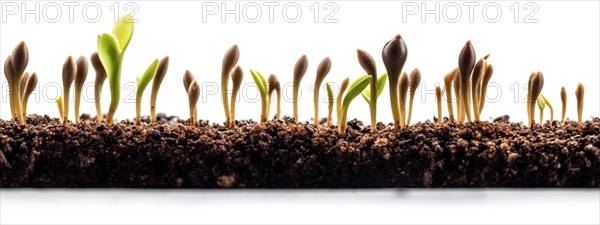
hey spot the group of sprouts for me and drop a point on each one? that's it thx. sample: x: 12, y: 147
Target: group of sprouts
x: 468, y: 82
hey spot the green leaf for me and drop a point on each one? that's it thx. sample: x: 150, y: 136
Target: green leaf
x: 143, y: 81
x: 123, y: 31
x: 259, y: 80
x: 109, y: 53
x: 541, y: 103
x: 329, y: 92
x: 381, y: 81
x: 264, y: 82
x: 486, y: 56
x: 355, y: 89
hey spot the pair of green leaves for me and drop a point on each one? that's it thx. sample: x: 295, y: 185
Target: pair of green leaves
x: 261, y: 83
x: 145, y: 79
x: 111, y: 46
x: 366, y: 93
x: 356, y: 88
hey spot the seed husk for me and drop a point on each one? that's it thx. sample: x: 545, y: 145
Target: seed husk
x: 229, y: 61
x: 237, y: 75
x: 476, y: 78
x: 29, y: 88
x: 80, y: 77
x: 68, y: 75
x: 394, y: 56
x: 98, y: 83
x: 299, y: 71
x: 403, y: 90
x: 193, y: 96
x: 322, y: 71
x: 188, y: 78
x: 274, y: 86
x: 536, y: 83
x: 466, y: 62
x: 161, y: 72
x: 415, y: 80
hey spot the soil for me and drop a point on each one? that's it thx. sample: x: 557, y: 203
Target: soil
x: 285, y: 154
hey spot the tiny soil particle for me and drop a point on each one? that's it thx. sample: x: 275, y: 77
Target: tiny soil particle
x: 286, y: 154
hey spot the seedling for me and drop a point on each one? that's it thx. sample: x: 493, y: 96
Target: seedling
x: 459, y: 108
x: 563, y: 99
x: 329, y: 103
x: 368, y: 64
x: 466, y: 62
x: 98, y: 83
x: 111, y: 49
x: 188, y: 78
x: 579, y: 95
x: 394, y: 56
x: 142, y: 82
x: 541, y: 105
x: 322, y: 72
x: 487, y: 75
x: 229, y: 61
x: 299, y: 71
x: 338, y: 105
x: 80, y: 76
x: 403, y: 90
x: 14, y: 67
x: 448, y: 79
x: 274, y: 86
x: 236, y: 77
x: 263, y: 87
x: 29, y: 87
x: 547, y: 103
x: 161, y: 71
x: 59, y: 103
x: 438, y: 95
x: 476, y: 78
x: 353, y: 91
x: 23, y: 83
x: 536, y: 83
x: 193, y: 96
x: 68, y: 75
x: 415, y: 80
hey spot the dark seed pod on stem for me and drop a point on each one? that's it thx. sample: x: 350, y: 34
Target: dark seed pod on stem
x: 161, y: 71
x: 415, y: 80
x: 536, y: 83
x: 98, y: 83
x: 68, y: 75
x: 403, y: 90
x: 236, y: 77
x: 368, y: 64
x: 579, y: 92
x: 29, y: 87
x: 80, y: 76
x: 466, y: 62
x: 322, y: 72
x: 563, y: 98
x: 299, y: 71
x: 274, y: 86
x: 229, y: 61
x: 193, y: 96
x: 394, y: 56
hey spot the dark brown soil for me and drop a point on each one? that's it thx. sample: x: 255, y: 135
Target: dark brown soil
x: 284, y: 154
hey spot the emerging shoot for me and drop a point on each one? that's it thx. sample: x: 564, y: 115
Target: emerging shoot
x: 80, y: 76
x: 547, y: 103
x: 563, y: 99
x: 541, y: 105
x: 229, y: 61
x: 476, y: 78
x: 394, y: 56
x: 29, y: 87
x: 579, y: 92
x: 487, y: 75
x: 536, y: 83
x: 236, y: 77
x: 353, y: 91
x: 14, y: 67
x: 466, y: 62
x: 368, y: 64
x: 438, y: 96
x: 98, y: 83
x: 161, y: 71
x: 188, y: 78
x: 329, y: 103
x: 340, y: 96
x: 142, y: 83
x: 193, y: 95
x: 415, y: 79
x: 322, y: 72
x: 59, y: 103
x: 263, y: 88
x: 448, y: 87
x: 68, y: 75
x: 274, y: 86
x: 403, y: 90
x: 299, y: 71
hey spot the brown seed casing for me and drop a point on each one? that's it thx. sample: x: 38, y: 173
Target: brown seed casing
x: 68, y: 75
x: 368, y: 64
x: 23, y: 83
x: 403, y: 90
x: 394, y: 56
x: 438, y: 95
x: 98, y: 83
x: 193, y: 96
x: 29, y: 88
x: 80, y: 76
x: 322, y: 71
x: 487, y: 75
x: 229, y: 61
x: 188, y: 78
x: 476, y: 78
x: 161, y: 72
x: 415, y: 80
x: 563, y: 99
x: 579, y: 92
x: 237, y: 75
x: 275, y: 86
x: 340, y: 98
x: 536, y: 83
x: 448, y: 87
x: 20, y: 59
x: 466, y: 62
x: 299, y: 71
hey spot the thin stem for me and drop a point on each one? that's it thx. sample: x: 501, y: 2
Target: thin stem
x: 342, y: 122
x: 438, y: 94
x: 563, y: 98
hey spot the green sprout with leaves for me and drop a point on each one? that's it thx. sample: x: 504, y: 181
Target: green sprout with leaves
x: 546, y: 102
x: 111, y: 49
x: 80, y: 76
x: 59, y: 103
x: 299, y: 71
x: 353, y: 91
x: 142, y: 83
x: 98, y: 83
x: 394, y: 56
x: 541, y: 105
x: 579, y: 92
x: 263, y: 88
x: 161, y: 71
x: 322, y: 72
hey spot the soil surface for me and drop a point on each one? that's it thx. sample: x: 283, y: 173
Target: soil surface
x: 285, y: 154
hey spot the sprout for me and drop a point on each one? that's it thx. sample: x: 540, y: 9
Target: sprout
x: 236, y: 76
x: 29, y: 87
x: 193, y: 96
x: 188, y: 78
x: 59, y: 103
x: 368, y: 64
x: 403, y: 89
x: 338, y: 107
x: 329, y: 103
x: 68, y: 75
x: 322, y: 72
x: 274, y: 86
x: 23, y: 83
x: 263, y: 88
x: 459, y: 109
x: 99, y: 82
x: 14, y: 67
x: 487, y: 75
x: 579, y: 95
x: 229, y: 61
x: 542, y: 105
x: 563, y: 98
x: 466, y: 62
x: 448, y: 87
x: 438, y: 96
x: 299, y: 71
x: 353, y: 91
x: 476, y: 78
x: 366, y: 94
x: 142, y: 82
x: 394, y: 56
x: 111, y: 49
x: 547, y: 103
x: 161, y: 71
x: 80, y: 76
x: 415, y: 79
x: 536, y: 83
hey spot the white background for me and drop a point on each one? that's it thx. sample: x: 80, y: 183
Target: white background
x: 563, y: 44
